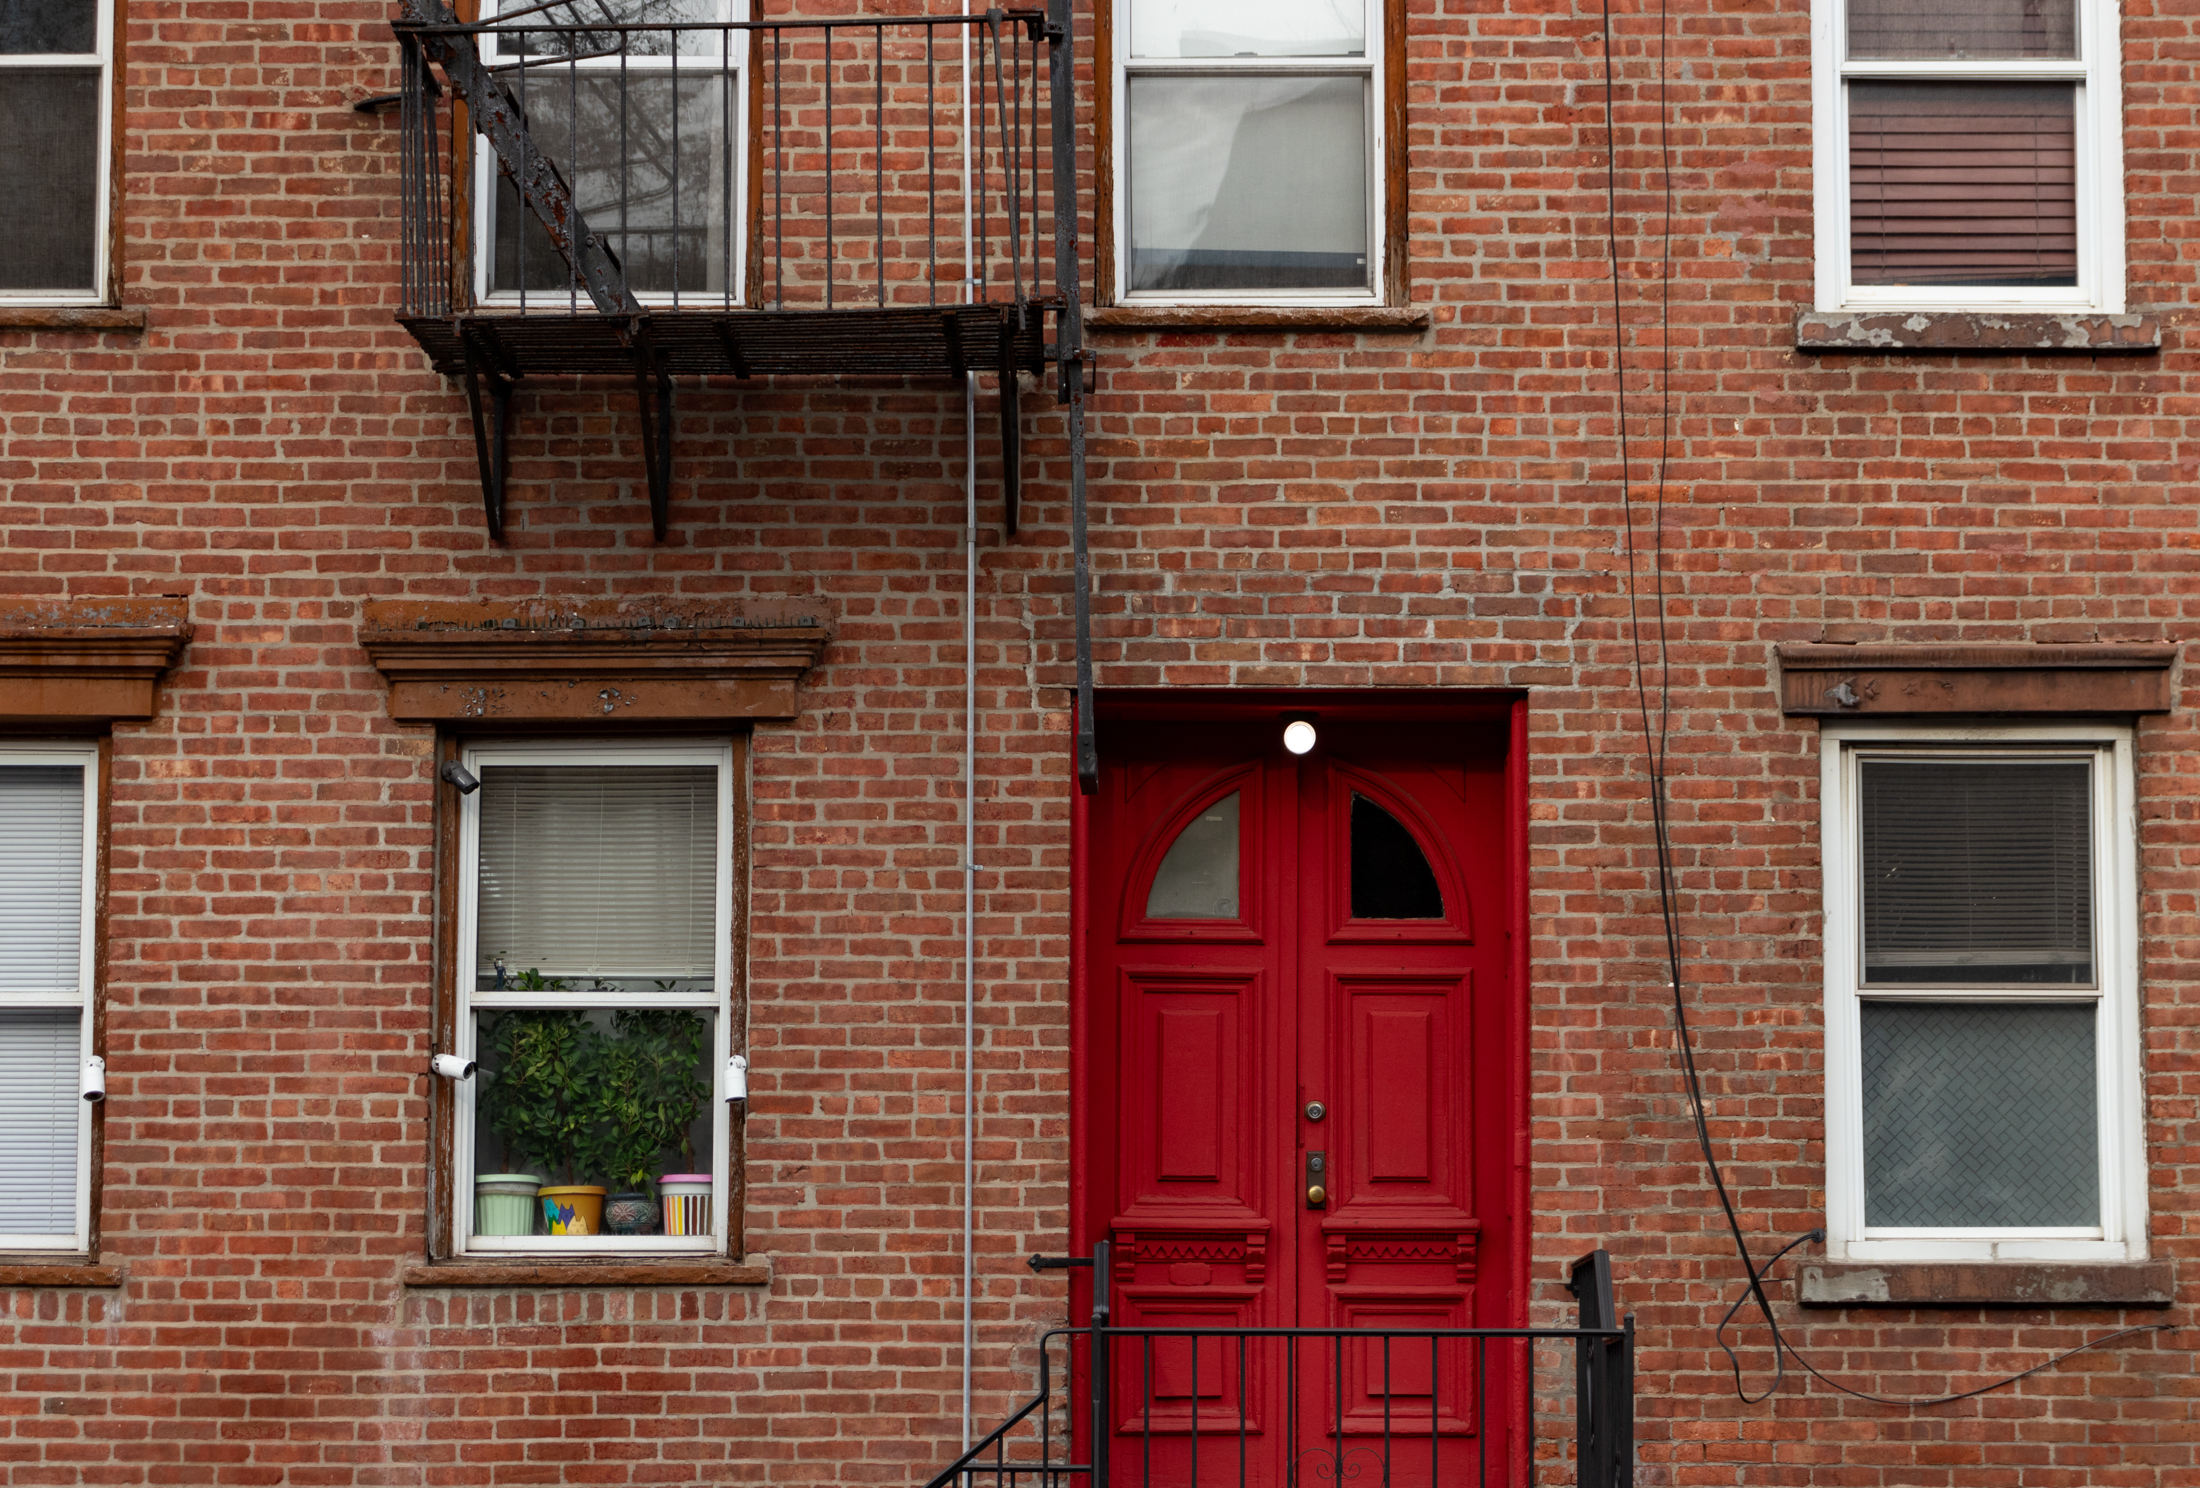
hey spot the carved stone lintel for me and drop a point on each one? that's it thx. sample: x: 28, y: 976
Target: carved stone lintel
x: 86, y: 662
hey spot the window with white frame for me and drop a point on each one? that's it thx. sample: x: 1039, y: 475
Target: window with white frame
x: 1983, y: 1077
x: 48, y: 855
x: 595, y: 948
x: 1969, y: 155
x: 1250, y: 148
x: 56, y: 73
x: 644, y: 118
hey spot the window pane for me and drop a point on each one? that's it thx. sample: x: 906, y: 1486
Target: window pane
x: 1198, y: 880
x: 39, y: 1111
x: 1977, y: 873
x: 1391, y: 878
x: 49, y: 177
x: 637, y: 43
x: 49, y: 26
x: 1248, y: 183
x: 41, y: 878
x: 1979, y: 1115
x: 598, y: 875
x: 611, y: 1099
x: 1963, y: 183
x: 668, y: 226
x: 1961, y: 30
x: 1248, y: 28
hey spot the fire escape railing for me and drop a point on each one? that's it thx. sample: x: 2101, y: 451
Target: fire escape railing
x: 1356, y: 1405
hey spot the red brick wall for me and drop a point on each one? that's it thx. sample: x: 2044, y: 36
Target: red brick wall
x: 1274, y: 509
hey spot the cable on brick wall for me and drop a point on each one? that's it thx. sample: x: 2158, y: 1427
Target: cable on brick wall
x: 1656, y: 740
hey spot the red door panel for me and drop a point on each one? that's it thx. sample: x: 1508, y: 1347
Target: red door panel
x: 1224, y: 1007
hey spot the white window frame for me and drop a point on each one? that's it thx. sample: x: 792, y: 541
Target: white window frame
x: 485, y: 166
x: 102, y: 225
x: 468, y: 1000
x: 2122, y: 1234
x: 86, y: 758
x: 1372, y: 63
x: 2100, y: 165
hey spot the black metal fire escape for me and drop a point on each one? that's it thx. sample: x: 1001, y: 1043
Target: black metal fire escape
x: 827, y: 164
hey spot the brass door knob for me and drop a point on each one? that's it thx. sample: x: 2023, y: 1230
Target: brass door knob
x: 1317, y: 1196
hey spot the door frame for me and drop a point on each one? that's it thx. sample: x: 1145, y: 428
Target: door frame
x: 1492, y: 710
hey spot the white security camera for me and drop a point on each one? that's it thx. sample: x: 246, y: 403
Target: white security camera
x: 737, y: 1078
x: 451, y: 1067
x: 458, y: 775
x: 93, y: 1087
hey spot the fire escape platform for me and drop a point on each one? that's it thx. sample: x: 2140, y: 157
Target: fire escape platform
x: 943, y: 341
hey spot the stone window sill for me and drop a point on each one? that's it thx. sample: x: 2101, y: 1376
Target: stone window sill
x: 1943, y: 331
x: 1404, y: 318
x: 589, y: 1273
x: 72, y: 317
x: 59, y: 1273
x: 1987, y: 1284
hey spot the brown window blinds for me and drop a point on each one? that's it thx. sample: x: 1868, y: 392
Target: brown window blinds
x: 1963, y: 183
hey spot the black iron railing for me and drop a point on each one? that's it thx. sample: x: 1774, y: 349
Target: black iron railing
x: 1380, y: 1406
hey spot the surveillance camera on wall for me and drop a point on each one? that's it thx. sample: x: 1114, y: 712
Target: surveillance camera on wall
x: 452, y: 1067
x: 464, y: 779
x: 93, y: 1087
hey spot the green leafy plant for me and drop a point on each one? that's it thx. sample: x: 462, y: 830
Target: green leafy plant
x: 649, y: 1090
x: 539, y: 1091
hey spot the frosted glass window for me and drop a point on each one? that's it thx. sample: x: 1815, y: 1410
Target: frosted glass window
x: 1980, y: 1115
x: 1248, y: 28
x: 1391, y: 878
x: 1198, y: 879
x: 1977, y: 871
x: 41, y: 879
x: 1245, y: 182
x: 596, y: 873
x: 39, y: 1111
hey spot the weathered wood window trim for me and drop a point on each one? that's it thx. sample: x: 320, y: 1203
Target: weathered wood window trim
x: 71, y: 670
x: 608, y: 673
x: 1832, y: 681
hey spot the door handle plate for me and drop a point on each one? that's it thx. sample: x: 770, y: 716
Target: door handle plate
x: 1317, y: 1180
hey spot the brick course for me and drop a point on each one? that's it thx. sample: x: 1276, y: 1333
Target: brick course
x: 1271, y: 508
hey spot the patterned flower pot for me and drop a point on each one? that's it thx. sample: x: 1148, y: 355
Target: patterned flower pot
x: 504, y: 1203
x: 687, y: 1203
x: 630, y: 1214
x: 573, y: 1209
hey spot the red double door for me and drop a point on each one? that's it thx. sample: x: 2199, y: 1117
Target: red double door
x: 1301, y: 1092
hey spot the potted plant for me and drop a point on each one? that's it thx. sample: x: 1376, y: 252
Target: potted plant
x: 541, y: 1102
x: 649, y: 1091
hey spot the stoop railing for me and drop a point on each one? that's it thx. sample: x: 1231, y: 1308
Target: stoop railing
x: 1358, y: 1405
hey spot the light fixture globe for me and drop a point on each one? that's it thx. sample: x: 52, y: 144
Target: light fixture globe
x: 1298, y: 735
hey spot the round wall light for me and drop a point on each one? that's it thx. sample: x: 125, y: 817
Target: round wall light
x: 1298, y: 735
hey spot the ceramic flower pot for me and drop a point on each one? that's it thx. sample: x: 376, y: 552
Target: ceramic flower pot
x: 504, y: 1203
x: 573, y: 1209
x: 687, y: 1203
x: 630, y: 1214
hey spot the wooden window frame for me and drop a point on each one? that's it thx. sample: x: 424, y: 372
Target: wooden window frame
x: 2118, y: 1062
x: 20, y: 307
x: 1387, y: 180
x: 2100, y: 190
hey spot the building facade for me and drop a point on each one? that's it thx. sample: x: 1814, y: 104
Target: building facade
x: 543, y: 625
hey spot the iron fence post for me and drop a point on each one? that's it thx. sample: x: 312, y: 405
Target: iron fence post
x: 1100, y: 1366
x: 1595, y: 1410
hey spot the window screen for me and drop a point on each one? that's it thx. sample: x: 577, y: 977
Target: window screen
x: 1965, y: 30
x: 1977, y: 872
x: 596, y: 873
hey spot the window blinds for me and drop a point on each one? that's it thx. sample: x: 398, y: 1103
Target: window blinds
x: 1963, y: 183
x: 42, y: 880
x: 39, y: 1112
x: 1976, y: 872
x: 599, y: 870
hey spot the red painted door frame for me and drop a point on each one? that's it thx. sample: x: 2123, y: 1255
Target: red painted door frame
x: 1494, y: 719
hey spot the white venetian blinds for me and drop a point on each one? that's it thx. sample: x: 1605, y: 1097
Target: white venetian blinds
x: 599, y: 870
x: 39, y: 1112
x: 41, y: 996
x: 41, y: 879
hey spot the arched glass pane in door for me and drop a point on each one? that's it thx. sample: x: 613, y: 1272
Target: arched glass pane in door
x: 1198, y: 880
x: 1391, y: 878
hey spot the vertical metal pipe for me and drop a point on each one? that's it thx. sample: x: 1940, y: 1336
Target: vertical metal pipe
x: 970, y: 890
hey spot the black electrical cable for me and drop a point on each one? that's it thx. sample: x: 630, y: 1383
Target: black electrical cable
x: 1656, y: 743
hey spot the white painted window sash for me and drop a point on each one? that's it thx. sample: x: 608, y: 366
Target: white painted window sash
x: 104, y: 60
x: 718, y: 999
x: 2100, y: 164
x: 1368, y: 66
x: 2122, y: 1235
x: 731, y: 60
x: 79, y: 998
